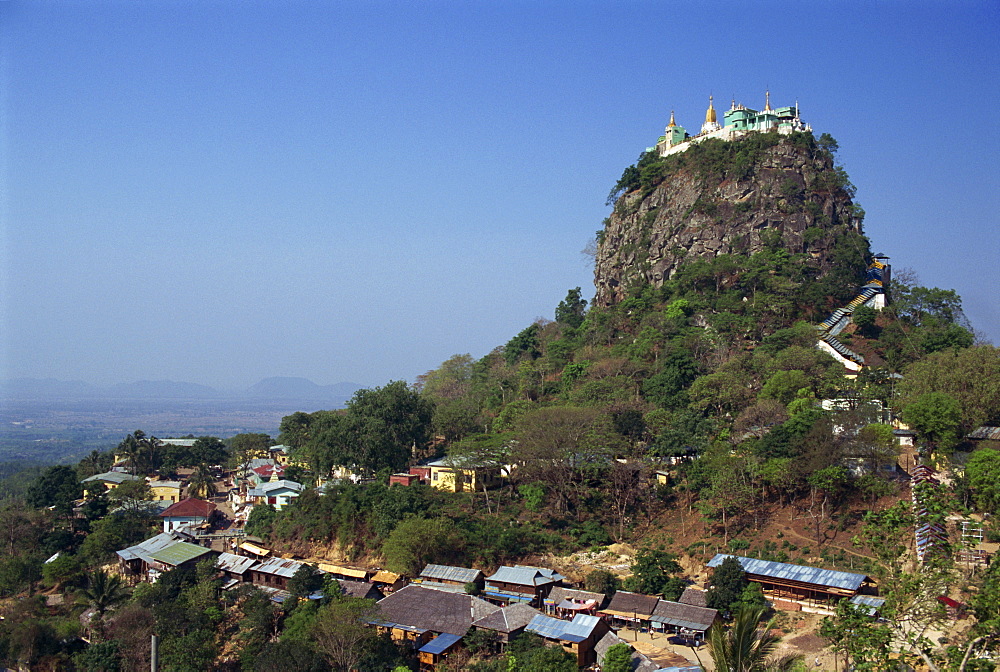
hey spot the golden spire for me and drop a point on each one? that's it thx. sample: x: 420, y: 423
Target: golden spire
x: 672, y: 122
x: 710, y: 117
x: 767, y: 101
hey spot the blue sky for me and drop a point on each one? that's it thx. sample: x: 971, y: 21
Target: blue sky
x: 217, y: 192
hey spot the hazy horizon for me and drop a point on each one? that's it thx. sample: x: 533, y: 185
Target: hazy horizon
x: 218, y: 193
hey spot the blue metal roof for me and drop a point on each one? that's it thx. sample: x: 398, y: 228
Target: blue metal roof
x: 440, y: 644
x: 869, y: 604
x: 784, y: 570
x: 578, y: 630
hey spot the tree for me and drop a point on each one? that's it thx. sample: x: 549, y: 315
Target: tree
x: 936, y: 417
x: 104, y: 591
x: 602, y: 581
x: 306, y: 580
x: 560, y: 446
x: 983, y: 471
x: 202, y: 483
x: 57, y: 487
x: 341, y: 631
x: 729, y: 580
x: 744, y: 647
x: 418, y: 541
x: 572, y: 309
x: 617, y: 659
x: 853, y: 632
x: 245, y: 447
x: 970, y: 376
x: 133, y: 498
x: 379, y: 430
x: 653, y: 574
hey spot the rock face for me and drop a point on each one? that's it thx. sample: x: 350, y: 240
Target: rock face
x: 723, y: 198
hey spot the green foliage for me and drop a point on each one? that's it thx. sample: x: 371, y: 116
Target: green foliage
x: 524, y: 345
x: 936, y: 417
x: 57, y: 487
x: 377, y: 431
x: 617, y: 659
x: 653, y: 574
x: 306, y: 580
x: 533, y: 494
x: 983, y: 472
x: 572, y: 309
x: 601, y: 581
x: 418, y: 541
x: 729, y: 580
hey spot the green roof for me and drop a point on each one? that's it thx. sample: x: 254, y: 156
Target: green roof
x: 179, y: 553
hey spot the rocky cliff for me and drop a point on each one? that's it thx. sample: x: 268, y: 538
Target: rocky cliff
x: 723, y: 197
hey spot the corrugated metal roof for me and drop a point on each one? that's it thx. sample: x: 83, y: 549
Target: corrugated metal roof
x: 237, y: 564
x: 870, y: 604
x: 684, y: 615
x: 577, y: 630
x: 984, y: 432
x: 278, y: 567
x: 440, y: 644
x: 801, y: 573
x: 179, y: 553
x: 449, y: 573
x: 142, y: 550
x: 522, y: 575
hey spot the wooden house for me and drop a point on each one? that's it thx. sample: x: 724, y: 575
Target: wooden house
x: 630, y: 610
x: 521, y: 583
x: 415, y: 614
x: 798, y: 586
x: 578, y: 637
x: 508, y: 622
x: 567, y: 602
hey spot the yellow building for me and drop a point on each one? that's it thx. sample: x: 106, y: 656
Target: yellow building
x: 165, y: 491
x: 446, y: 475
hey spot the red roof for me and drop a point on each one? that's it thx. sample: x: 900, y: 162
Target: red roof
x: 265, y: 470
x: 189, y: 508
x: 948, y: 602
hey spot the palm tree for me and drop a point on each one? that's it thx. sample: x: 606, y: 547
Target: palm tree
x: 103, y: 592
x: 202, y: 483
x: 746, y: 646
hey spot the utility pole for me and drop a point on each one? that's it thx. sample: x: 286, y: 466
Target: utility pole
x: 154, y: 653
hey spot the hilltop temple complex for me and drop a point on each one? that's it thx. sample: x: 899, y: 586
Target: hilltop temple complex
x: 737, y: 122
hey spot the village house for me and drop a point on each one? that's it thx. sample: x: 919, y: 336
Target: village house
x: 280, y: 454
x: 278, y: 494
x: 798, y: 587
x: 630, y: 610
x: 567, y: 602
x: 387, y: 581
x: 177, y: 555
x: 507, y: 623
x: 111, y: 479
x: 274, y: 573
x: 134, y: 562
x: 578, y: 637
x: 360, y: 589
x: 190, y: 512
x: 235, y: 569
x: 404, y: 479
x: 166, y: 491
x: 446, y: 474
x: 521, y: 583
x: 683, y: 619
x: 639, y: 662
x: 346, y: 573
x: 416, y: 614
x: 445, y: 577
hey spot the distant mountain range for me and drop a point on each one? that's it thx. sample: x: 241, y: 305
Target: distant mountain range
x: 269, y: 388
